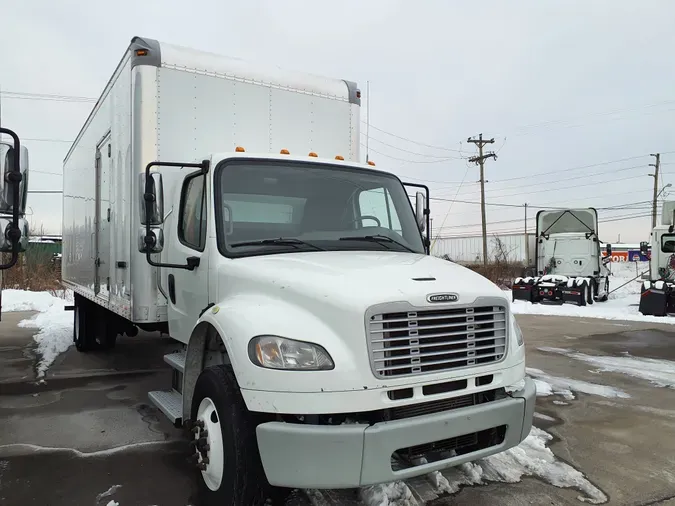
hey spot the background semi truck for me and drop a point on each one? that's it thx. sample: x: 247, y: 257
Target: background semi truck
x: 657, y: 295
x: 318, y: 343
x: 570, y: 266
x: 13, y: 193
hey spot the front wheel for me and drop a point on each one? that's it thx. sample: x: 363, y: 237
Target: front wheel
x: 225, y: 444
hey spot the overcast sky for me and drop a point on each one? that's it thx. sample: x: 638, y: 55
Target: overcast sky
x: 559, y: 85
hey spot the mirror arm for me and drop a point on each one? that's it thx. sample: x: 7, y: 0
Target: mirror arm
x: 14, y: 177
x: 149, y: 198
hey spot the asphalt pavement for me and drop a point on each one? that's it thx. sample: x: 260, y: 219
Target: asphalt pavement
x: 87, y: 435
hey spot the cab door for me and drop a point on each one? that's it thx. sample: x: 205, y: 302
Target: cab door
x: 188, y: 290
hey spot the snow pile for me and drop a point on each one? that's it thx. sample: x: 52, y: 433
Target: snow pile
x: 54, y: 323
x: 659, y: 372
x: 549, y: 385
x: 622, y: 304
x: 530, y: 458
x: 24, y: 300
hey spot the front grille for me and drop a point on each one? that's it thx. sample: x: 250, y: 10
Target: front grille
x: 445, y: 445
x: 420, y: 342
x: 428, y: 408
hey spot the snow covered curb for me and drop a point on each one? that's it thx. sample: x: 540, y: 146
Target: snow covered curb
x: 54, y: 324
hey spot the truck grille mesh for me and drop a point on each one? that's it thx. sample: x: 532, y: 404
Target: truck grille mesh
x: 421, y: 342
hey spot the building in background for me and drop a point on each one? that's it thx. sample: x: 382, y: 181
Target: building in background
x: 511, y: 247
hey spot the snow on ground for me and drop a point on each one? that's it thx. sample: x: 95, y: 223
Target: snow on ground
x: 531, y: 458
x: 550, y: 385
x: 622, y: 304
x: 54, y: 324
x: 659, y: 372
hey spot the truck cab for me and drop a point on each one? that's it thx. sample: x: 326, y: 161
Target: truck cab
x: 570, y: 265
x: 306, y: 286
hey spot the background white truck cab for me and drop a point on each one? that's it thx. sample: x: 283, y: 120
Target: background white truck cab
x: 319, y: 345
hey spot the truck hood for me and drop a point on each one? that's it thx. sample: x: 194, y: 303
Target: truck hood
x: 361, y: 277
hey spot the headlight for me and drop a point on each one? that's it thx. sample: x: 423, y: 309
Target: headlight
x: 518, y: 332
x: 275, y: 352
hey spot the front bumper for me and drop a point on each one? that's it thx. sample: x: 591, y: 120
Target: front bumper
x: 355, y: 455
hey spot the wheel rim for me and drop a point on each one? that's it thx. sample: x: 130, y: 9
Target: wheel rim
x: 211, y: 452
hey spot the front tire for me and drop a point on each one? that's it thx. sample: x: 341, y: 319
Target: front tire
x: 225, y: 433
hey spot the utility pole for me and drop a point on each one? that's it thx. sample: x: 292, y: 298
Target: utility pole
x: 480, y: 160
x: 657, y: 166
x: 527, y: 242
x: 367, y: 121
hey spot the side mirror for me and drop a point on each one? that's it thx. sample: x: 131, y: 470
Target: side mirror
x: 6, y: 231
x: 419, y: 211
x: 153, y: 190
x: 153, y: 243
x: 7, y: 165
x: 644, y: 248
x: 608, y: 248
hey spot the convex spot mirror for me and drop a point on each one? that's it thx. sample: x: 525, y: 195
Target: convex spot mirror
x: 7, y: 164
x: 153, y: 242
x: 6, y: 235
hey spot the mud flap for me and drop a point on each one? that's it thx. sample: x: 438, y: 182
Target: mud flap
x: 573, y: 295
x: 524, y: 290
x: 653, y: 300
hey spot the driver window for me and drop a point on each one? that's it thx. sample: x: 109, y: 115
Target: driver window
x: 377, y: 203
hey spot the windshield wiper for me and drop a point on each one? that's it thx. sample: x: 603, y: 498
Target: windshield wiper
x: 378, y: 238
x: 281, y: 241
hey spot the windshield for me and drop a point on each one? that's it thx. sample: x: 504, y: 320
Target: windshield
x: 268, y: 206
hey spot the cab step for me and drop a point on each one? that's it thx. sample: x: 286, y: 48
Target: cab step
x: 170, y: 403
x: 176, y: 360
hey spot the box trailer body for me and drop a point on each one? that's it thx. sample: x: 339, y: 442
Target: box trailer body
x: 225, y: 205
x: 180, y: 105
x: 569, y: 260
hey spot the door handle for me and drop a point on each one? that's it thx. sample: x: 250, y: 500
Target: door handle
x: 172, y: 289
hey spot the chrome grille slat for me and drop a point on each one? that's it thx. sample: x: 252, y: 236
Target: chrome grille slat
x: 438, y: 334
x: 430, y: 318
x: 441, y: 326
x: 430, y: 345
x: 438, y: 353
x: 434, y: 362
x: 413, y: 341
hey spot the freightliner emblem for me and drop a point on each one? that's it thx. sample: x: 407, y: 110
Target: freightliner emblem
x: 442, y: 297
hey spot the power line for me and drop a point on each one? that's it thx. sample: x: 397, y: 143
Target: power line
x: 46, y: 96
x: 412, y: 141
x: 408, y: 151
x: 519, y: 230
x: 440, y: 160
x: 561, y: 180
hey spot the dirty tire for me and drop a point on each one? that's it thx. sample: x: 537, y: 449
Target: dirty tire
x: 584, y: 293
x: 243, y: 478
x: 592, y: 290
x: 83, y: 331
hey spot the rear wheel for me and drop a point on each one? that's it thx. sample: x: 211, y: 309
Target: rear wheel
x: 225, y: 444
x: 584, y: 293
x: 83, y: 335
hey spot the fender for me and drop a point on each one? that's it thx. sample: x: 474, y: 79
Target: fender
x: 208, y: 345
x: 218, y: 337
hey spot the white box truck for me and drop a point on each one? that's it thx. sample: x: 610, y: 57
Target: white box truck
x: 320, y: 345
